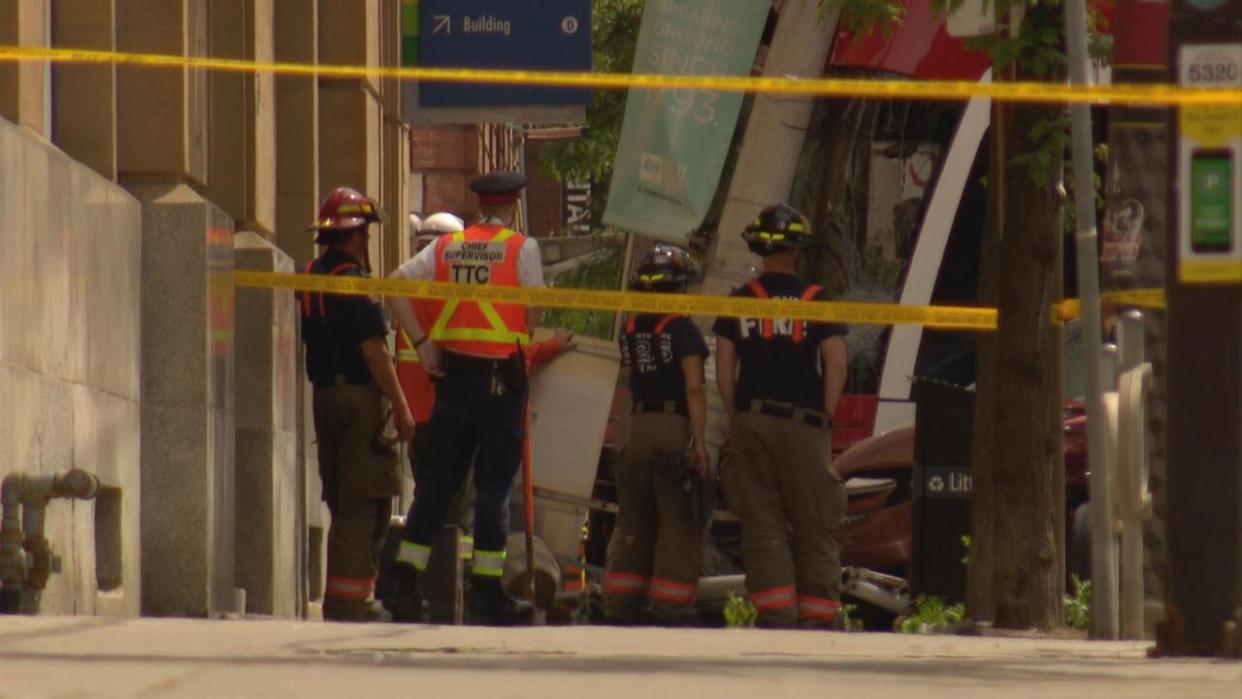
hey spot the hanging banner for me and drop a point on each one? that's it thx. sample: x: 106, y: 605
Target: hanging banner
x: 674, y: 142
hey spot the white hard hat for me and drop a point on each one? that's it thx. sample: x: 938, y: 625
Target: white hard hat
x: 443, y: 222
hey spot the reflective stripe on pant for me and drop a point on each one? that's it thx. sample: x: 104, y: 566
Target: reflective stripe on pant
x: 415, y: 555
x: 814, y: 610
x: 790, y: 503
x: 488, y: 563
x: 352, y: 547
x: 655, y: 541
x: 775, y: 598
x: 467, y: 419
x: 358, y: 589
x: 625, y: 584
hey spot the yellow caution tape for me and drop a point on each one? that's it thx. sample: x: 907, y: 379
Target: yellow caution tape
x: 1067, y: 310
x: 943, y: 317
x: 1061, y: 93
x: 1153, y: 299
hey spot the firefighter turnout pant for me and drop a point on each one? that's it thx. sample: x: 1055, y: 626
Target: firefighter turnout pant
x: 656, y: 552
x: 790, y: 502
x: 360, y: 471
x: 471, y: 422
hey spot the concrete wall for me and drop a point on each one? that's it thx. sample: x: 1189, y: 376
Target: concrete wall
x: 70, y: 361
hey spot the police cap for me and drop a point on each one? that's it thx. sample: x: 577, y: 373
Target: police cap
x: 499, y: 187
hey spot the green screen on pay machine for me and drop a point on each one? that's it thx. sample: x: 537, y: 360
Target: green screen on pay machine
x: 1211, y: 201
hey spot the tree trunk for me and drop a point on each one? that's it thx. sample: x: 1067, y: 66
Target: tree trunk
x: 1026, y: 402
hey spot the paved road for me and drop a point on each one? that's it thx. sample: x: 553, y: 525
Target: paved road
x: 72, y: 657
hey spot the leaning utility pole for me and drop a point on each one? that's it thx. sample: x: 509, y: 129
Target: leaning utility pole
x: 772, y: 144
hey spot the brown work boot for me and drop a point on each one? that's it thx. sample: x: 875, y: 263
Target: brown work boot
x: 355, y: 611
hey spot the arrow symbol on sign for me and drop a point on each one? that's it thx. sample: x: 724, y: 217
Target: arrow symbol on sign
x: 444, y: 23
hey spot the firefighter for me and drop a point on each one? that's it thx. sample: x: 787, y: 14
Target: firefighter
x: 475, y: 349
x: 348, y: 364
x: 656, y: 551
x: 780, y: 381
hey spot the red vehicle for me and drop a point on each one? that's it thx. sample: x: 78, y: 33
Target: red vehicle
x: 878, y: 470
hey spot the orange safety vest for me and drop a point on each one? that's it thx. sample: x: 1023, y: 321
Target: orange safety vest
x: 765, y: 324
x: 479, y: 255
x: 416, y: 384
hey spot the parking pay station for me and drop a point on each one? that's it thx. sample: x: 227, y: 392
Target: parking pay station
x: 1204, y: 488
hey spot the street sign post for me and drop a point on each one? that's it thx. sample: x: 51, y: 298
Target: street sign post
x: 552, y: 35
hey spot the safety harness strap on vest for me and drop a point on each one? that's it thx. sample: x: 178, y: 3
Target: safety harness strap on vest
x: 497, y: 331
x: 308, y: 307
x: 632, y: 324
x: 311, y: 319
x: 766, y: 324
x: 766, y: 348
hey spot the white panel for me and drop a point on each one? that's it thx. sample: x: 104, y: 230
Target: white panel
x: 903, y: 348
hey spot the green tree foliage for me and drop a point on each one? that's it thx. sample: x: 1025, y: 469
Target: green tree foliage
x: 602, y: 272
x: 590, y: 158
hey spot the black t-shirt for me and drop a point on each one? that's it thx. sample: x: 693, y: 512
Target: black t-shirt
x: 338, y: 324
x: 779, y: 369
x: 655, y: 358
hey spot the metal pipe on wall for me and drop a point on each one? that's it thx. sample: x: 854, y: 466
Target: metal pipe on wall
x: 25, y: 499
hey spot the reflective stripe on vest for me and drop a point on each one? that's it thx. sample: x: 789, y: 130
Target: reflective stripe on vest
x: 405, y: 348
x: 766, y: 324
x: 499, y: 337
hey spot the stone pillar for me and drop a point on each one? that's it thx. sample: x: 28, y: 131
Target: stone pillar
x: 22, y: 85
x: 242, y: 153
x: 162, y: 113
x: 187, y: 404
x: 297, y: 130
x: 350, y: 113
x: 271, y: 493
x: 394, y: 144
x: 84, y: 96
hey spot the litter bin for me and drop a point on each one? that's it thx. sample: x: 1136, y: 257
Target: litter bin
x: 941, y: 488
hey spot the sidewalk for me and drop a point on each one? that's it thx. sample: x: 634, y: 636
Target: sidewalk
x: 182, y: 658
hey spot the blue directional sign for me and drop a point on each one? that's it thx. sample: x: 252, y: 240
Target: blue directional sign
x: 507, y: 35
